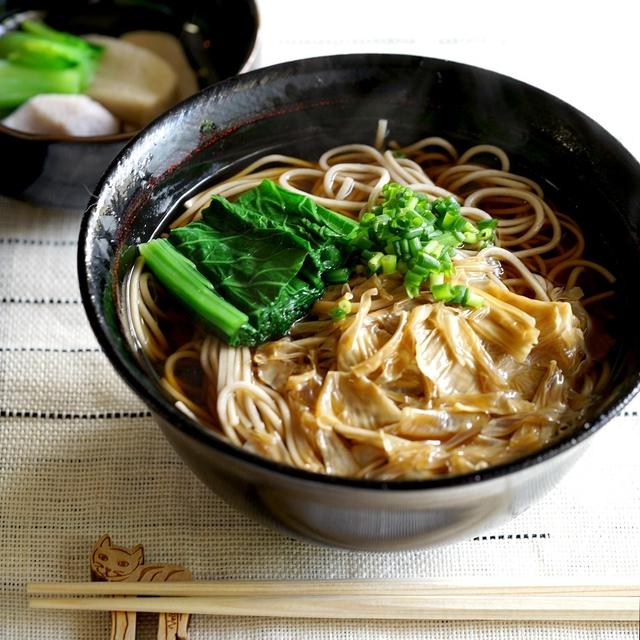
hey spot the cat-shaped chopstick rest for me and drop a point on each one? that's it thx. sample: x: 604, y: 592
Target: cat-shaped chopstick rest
x: 118, y: 564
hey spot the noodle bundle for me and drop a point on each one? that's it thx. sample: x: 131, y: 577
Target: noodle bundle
x: 400, y: 387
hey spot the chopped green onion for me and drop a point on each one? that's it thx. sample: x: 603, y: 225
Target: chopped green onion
x: 341, y: 310
x: 425, y: 260
x: 374, y: 261
x: 411, y: 234
x: 419, y: 269
x: 441, y: 292
x: 461, y: 224
x: 449, y: 219
x: 487, y: 223
x: 413, y: 201
x: 418, y: 236
x: 449, y: 240
x: 367, y: 219
x: 446, y: 264
x: 414, y: 246
x: 459, y: 294
x: 474, y: 300
x: 470, y: 238
x: 389, y: 263
x: 412, y: 282
x: 433, y: 248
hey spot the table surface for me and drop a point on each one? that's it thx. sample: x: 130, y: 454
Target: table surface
x: 81, y: 456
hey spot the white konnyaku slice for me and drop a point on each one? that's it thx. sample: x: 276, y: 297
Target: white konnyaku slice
x: 63, y: 115
x: 133, y: 83
x: 168, y: 47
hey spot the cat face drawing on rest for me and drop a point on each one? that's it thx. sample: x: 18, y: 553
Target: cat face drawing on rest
x: 117, y: 564
x: 109, y: 562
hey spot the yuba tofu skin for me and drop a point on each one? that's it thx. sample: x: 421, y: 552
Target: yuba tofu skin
x: 63, y: 115
x: 168, y: 47
x: 133, y: 83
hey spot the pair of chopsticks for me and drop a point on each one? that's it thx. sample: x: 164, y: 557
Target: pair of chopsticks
x: 365, y: 599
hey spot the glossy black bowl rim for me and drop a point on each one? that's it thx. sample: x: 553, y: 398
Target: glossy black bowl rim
x: 161, y: 405
x: 123, y: 135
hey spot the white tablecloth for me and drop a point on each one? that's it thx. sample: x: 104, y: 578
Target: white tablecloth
x: 80, y: 456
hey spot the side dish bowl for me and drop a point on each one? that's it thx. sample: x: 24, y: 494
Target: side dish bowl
x: 301, y: 108
x: 62, y: 171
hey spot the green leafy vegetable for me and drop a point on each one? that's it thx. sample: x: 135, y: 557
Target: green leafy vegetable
x: 18, y: 83
x: 41, y: 30
x: 39, y: 59
x: 266, y: 254
x: 259, y: 271
x: 323, y: 234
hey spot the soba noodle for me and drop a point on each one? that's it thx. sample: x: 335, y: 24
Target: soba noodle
x: 402, y: 388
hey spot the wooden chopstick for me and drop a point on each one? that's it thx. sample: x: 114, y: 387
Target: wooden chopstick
x: 391, y: 587
x: 465, y: 599
x: 460, y: 607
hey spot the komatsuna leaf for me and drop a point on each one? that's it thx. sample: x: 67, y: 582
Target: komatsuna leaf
x: 256, y: 270
x: 298, y: 211
x: 322, y: 233
x: 266, y: 254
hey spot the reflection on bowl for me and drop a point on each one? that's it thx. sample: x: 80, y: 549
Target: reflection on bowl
x: 302, y: 108
x: 63, y: 170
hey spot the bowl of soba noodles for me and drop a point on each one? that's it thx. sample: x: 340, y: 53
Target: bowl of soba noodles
x: 375, y: 301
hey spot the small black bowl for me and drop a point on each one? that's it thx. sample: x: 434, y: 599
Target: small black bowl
x: 219, y: 38
x: 304, y: 107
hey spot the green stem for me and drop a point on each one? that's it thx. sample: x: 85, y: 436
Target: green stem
x: 181, y: 278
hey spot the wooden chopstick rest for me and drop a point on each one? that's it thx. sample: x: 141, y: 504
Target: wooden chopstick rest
x: 118, y: 564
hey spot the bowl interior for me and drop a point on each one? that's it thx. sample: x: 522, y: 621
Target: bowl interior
x: 306, y: 107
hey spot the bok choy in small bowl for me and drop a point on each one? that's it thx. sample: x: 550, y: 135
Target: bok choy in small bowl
x: 77, y: 83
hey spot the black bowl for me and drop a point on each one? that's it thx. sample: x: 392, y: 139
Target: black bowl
x: 304, y: 107
x: 63, y: 171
